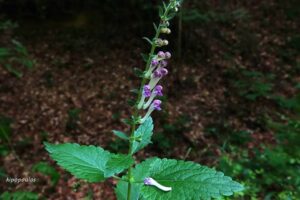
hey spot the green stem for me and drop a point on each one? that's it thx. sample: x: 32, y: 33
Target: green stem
x: 135, y: 111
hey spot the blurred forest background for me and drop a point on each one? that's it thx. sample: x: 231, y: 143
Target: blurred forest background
x: 232, y: 95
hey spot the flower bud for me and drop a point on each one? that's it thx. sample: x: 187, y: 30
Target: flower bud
x: 165, y: 30
x: 159, y: 42
x: 161, y: 54
x: 163, y: 63
x: 163, y: 71
x: 154, y: 63
x: 156, y: 104
x: 157, y: 74
x: 166, y: 23
x: 165, y: 42
x: 167, y: 55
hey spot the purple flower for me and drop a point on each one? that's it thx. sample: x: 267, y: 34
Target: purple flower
x: 156, y: 104
x: 154, y: 63
x: 158, y: 90
x: 157, y: 73
x: 163, y: 63
x: 161, y: 54
x: 167, y: 55
x: 151, y: 182
x: 147, y: 91
x: 148, y: 181
x: 163, y: 71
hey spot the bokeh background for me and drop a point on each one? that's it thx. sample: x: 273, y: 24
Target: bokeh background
x: 232, y: 95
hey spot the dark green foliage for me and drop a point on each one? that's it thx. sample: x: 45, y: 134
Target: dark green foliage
x: 48, y: 170
x: 254, y: 84
x: 8, y: 24
x: 273, y: 171
x: 17, y: 55
x: 292, y: 104
x: 19, y: 195
x: 2, y: 173
x: 5, y: 129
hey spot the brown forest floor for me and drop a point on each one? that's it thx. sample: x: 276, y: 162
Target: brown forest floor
x: 98, y: 83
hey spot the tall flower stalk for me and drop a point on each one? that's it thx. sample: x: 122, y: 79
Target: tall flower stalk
x: 154, y: 71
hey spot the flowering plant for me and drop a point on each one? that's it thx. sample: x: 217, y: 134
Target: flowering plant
x: 154, y: 178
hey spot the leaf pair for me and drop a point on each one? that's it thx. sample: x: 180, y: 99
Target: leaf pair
x: 90, y: 163
x: 187, y: 179
x: 141, y: 137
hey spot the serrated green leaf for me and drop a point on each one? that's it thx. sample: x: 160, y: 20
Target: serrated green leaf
x: 121, y: 135
x: 84, y: 162
x: 187, y: 179
x: 144, y: 132
x: 90, y: 163
x: 48, y: 170
x: 117, y: 163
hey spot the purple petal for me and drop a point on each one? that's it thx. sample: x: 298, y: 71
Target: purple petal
x: 163, y: 71
x: 163, y: 63
x: 161, y: 54
x: 156, y: 104
x: 158, y: 90
x: 157, y: 74
x: 154, y: 63
x: 168, y: 55
x: 147, y: 91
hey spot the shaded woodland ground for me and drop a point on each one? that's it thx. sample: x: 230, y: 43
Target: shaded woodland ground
x: 232, y: 95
